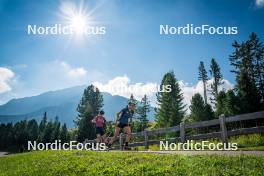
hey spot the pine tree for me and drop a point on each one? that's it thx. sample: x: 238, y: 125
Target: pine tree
x: 21, y: 134
x: 142, y: 111
x: 197, y: 107
x: 89, y: 106
x: 32, y: 129
x: 257, y: 49
x: 199, y: 110
x: 248, y: 93
x: 171, y: 108
x: 64, y: 135
x: 217, y: 79
x: 42, y: 127
x: 220, y: 105
x: 231, y: 103
x: 56, y: 129
x: 47, y: 136
x: 247, y: 60
x: 204, y: 78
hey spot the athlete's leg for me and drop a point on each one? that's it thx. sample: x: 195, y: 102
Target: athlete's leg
x: 117, y: 131
x: 127, y: 130
x: 98, y: 138
x: 104, y: 137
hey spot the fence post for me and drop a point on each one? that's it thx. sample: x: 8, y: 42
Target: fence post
x: 182, y: 132
x: 146, y: 140
x: 121, y: 141
x: 223, y: 128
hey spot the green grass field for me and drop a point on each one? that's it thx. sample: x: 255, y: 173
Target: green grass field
x: 127, y: 163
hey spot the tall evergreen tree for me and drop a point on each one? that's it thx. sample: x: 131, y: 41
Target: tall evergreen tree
x: 64, y: 135
x: 89, y: 106
x: 204, y: 78
x: 199, y: 110
x: 228, y: 103
x: 142, y: 111
x: 32, y: 129
x: 47, y: 136
x: 56, y: 129
x: 247, y: 60
x: 257, y: 49
x: 248, y: 93
x: 171, y: 107
x: 220, y: 105
x: 42, y: 127
x: 231, y: 103
x: 217, y: 79
x: 21, y: 134
x: 197, y: 107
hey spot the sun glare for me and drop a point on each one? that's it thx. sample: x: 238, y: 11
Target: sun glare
x: 75, y: 16
x: 78, y: 22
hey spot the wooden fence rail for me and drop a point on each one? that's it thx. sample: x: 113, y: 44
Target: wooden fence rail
x: 223, y: 134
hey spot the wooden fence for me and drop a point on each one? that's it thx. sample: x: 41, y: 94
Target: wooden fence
x: 223, y: 134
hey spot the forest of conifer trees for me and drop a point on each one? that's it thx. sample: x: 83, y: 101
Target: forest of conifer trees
x: 247, y: 61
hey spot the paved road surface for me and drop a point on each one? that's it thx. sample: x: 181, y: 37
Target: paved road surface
x: 228, y: 153
x: 3, y: 154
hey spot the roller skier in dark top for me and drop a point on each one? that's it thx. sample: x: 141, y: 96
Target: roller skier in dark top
x: 123, y: 119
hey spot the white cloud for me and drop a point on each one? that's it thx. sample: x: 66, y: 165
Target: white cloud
x: 189, y: 91
x: 6, y: 76
x: 122, y: 86
x: 73, y: 72
x: 259, y: 3
x: 43, y: 77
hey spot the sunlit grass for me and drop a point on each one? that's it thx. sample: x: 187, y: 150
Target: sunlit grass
x: 126, y: 163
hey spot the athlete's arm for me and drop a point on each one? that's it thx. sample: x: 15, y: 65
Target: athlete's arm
x: 118, y: 115
x: 130, y: 121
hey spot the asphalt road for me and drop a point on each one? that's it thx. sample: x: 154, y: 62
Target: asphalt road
x: 3, y: 154
x: 204, y: 152
x: 227, y: 153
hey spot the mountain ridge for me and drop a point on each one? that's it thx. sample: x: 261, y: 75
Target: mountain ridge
x: 61, y: 103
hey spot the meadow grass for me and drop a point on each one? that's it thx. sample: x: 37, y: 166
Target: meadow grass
x: 127, y: 163
x: 244, y: 142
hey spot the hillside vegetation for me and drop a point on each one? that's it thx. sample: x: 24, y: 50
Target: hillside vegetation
x: 127, y: 163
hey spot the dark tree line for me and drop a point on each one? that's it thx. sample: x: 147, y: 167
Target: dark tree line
x: 247, y: 96
x: 15, y: 137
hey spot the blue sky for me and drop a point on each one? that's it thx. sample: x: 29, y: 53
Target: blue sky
x: 131, y: 48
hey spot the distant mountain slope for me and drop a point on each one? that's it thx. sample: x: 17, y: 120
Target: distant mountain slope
x: 48, y: 99
x: 61, y: 103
